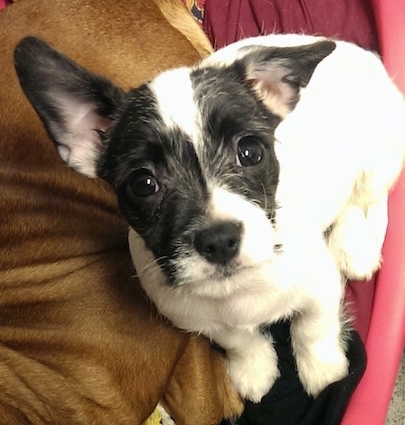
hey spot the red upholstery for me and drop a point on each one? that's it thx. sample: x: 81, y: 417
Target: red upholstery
x: 228, y: 21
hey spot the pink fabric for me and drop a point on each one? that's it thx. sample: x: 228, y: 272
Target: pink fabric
x: 226, y: 21
x: 2, y: 4
x: 390, y: 17
x: 386, y: 335
x: 360, y: 298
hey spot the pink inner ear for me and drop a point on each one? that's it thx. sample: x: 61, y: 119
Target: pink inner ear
x: 86, y: 143
x: 79, y: 135
x: 81, y: 119
x: 272, y: 89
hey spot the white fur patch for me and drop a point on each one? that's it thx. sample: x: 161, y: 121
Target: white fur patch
x: 174, y: 93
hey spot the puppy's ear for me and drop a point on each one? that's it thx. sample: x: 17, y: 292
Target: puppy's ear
x: 278, y: 73
x: 75, y: 106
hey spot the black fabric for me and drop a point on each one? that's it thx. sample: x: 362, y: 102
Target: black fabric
x: 288, y: 404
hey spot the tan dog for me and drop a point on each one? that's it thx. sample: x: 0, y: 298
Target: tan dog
x: 79, y: 342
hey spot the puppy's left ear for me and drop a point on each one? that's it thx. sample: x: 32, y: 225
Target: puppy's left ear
x: 76, y: 106
x: 278, y: 73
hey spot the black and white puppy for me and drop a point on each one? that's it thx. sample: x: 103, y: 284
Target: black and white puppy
x: 238, y: 218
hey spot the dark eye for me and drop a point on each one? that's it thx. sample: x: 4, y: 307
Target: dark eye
x: 249, y: 152
x: 143, y: 184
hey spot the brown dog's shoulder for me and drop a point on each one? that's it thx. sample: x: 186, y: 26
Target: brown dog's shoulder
x: 221, y: 398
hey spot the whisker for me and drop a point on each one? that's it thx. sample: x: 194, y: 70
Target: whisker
x: 154, y: 263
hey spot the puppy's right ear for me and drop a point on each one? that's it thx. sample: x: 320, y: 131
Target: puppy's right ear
x: 277, y: 74
x: 76, y: 107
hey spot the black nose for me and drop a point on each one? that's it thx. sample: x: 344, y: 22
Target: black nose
x: 219, y: 243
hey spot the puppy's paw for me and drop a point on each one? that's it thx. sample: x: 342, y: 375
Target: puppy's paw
x: 254, y: 372
x: 356, y: 241
x: 320, y: 368
x: 360, y: 260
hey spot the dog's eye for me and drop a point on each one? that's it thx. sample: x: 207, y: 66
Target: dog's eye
x: 249, y: 152
x: 143, y: 184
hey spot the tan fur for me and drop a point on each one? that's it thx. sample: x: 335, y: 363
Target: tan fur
x: 79, y: 342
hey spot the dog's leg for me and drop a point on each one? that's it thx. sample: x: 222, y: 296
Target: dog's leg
x: 357, y: 237
x: 319, y: 350
x: 252, y: 362
x: 317, y: 332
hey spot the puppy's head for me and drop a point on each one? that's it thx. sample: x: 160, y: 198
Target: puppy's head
x: 189, y: 154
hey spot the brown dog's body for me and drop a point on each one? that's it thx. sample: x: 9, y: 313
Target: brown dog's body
x: 79, y: 342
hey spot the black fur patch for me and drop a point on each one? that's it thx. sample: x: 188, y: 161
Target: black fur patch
x: 141, y: 142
